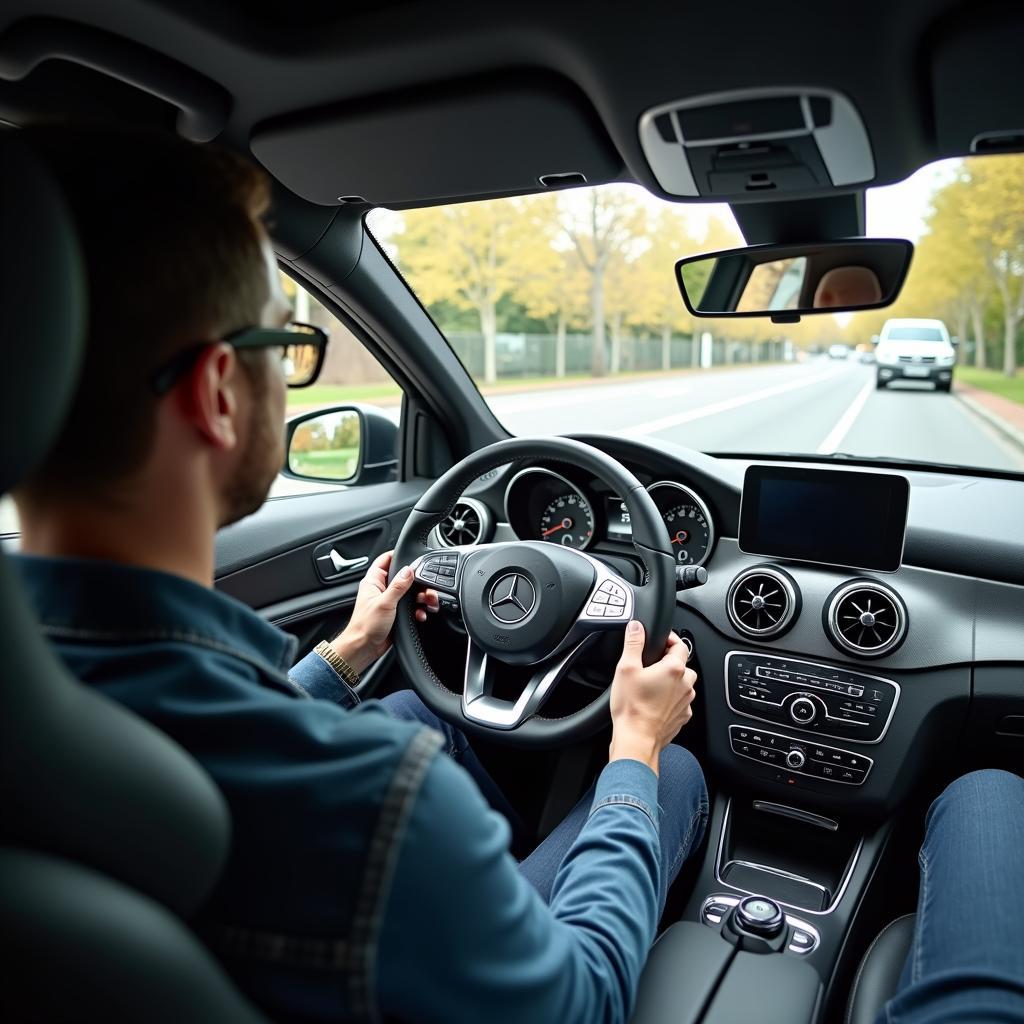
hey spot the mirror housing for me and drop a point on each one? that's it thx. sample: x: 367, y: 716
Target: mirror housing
x: 786, y: 282
x: 341, y: 444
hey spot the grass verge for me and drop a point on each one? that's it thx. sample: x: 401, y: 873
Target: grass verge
x: 992, y: 380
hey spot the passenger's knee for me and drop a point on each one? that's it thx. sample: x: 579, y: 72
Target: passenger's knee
x: 988, y: 782
x: 976, y: 794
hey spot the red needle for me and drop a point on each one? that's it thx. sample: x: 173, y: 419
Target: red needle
x: 680, y: 537
x: 563, y: 525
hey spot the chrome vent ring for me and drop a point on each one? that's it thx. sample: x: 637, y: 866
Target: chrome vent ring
x: 865, y: 618
x: 762, y: 602
x: 468, y: 523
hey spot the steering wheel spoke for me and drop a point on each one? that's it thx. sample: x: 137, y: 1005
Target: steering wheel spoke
x: 479, y: 703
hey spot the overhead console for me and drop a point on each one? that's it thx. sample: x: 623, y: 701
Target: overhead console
x: 756, y: 142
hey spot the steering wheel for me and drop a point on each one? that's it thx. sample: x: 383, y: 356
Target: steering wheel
x: 529, y: 603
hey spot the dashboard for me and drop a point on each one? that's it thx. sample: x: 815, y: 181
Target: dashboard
x: 848, y: 677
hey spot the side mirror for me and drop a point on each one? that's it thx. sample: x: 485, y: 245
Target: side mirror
x: 346, y: 444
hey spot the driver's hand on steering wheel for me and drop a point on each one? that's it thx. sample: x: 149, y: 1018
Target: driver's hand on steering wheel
x: 368, y: 633
x: 649, y: 705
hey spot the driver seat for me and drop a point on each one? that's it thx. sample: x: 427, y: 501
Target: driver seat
x: 110, y: 834
x: 879, y: 971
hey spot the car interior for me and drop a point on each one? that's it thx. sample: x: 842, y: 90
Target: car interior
x: 847, y: 672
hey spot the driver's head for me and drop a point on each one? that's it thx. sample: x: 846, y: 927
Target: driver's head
x: 847, y: 286
x: 176, y: 258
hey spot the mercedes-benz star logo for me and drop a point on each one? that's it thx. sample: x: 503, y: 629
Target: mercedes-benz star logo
x: 512, y: 598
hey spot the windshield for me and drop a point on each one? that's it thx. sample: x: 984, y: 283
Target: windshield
x: 564, y: 309
x: 914, y: 334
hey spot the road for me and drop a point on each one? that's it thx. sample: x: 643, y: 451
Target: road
x: 819, y: 406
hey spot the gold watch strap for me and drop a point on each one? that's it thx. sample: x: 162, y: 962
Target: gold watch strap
x: 337, y: 662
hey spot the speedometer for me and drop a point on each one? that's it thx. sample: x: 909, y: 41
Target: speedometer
x: 568, y: 520
x: 688, y: 522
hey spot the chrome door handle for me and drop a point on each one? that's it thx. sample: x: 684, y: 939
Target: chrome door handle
x: 339, y: 564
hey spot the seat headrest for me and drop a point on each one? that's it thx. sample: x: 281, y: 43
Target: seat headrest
x: 42, y: 309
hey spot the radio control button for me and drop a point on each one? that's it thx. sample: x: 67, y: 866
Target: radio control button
x: 803, y: 711
x: 795, y: 759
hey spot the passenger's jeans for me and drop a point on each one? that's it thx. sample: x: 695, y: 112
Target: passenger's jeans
x: 682, y: 800
x: 966, y: 963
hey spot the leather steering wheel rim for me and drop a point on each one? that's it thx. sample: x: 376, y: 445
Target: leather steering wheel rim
x: 654, y: 599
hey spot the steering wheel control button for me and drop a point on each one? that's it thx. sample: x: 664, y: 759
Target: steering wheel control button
x: 848, y: 704
x: 597, y: 610
x: 803, y: 711
x: 600, y: 598
x: 827, y: 764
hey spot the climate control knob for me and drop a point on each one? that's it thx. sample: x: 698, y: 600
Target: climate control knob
x: 795, y: 759
x: 803, y: 711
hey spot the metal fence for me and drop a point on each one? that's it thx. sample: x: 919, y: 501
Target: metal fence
x: 535, y: 355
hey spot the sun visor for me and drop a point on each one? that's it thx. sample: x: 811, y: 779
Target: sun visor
x: 467, y: 139
x: 977, y: 85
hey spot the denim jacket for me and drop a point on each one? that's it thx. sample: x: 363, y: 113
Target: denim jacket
x: 367, y: 878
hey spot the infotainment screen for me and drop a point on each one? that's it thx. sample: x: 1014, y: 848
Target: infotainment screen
x: 834, y: 517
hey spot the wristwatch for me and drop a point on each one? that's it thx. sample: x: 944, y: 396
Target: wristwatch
x: 337, y: 662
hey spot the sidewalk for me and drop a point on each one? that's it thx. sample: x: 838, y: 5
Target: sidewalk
x: 1000, y: 413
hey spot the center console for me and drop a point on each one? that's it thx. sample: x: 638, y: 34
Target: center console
x: 818, y: 698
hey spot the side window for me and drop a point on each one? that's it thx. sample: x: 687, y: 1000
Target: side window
x: 354, y: 407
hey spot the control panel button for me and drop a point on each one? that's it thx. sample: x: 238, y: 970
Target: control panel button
x: 803, y: 711
x: 828, y: 764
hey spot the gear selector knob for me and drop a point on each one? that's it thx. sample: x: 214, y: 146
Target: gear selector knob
x: 760, y: 916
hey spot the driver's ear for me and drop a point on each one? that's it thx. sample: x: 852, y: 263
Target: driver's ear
x: 209, y: 395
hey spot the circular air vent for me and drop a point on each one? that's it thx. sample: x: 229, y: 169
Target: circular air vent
x: 466, y: 524
x: 762, y: 602
x: 865, y: 618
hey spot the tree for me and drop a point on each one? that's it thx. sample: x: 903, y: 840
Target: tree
x: 602, y: 225
x: 995, y: 226
x: 560, y: 295
x: 474, y: 254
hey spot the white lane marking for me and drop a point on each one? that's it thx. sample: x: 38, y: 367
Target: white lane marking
x: 547, y: 398
x: 846, y: 421
x: 727, y: 404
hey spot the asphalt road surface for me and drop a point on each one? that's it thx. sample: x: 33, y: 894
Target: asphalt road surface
x: 820, y: 406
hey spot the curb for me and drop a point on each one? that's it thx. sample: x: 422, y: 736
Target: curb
x: 1008, y: 432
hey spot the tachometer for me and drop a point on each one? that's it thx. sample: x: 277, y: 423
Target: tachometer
x: 568, y: 520
x: 691, y: 530
x: 689, y: 533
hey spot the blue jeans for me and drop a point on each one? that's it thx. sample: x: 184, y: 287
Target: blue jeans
x: 682, y: 800
x: 966, y: 963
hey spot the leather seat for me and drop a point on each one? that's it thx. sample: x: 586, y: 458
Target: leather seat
x: 879, y: 971
x: 111, y: 836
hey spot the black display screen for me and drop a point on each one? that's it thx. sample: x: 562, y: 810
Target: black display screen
x: 619, y: 525
x: 857, y: 520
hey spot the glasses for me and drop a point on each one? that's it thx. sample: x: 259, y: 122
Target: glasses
x: 302, y: 348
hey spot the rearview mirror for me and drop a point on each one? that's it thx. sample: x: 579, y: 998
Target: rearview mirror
x: 785, y: 282
x: 345, y: 444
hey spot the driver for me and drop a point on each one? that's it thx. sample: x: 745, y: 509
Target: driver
x: 847, y: 286
x: 370, y: 875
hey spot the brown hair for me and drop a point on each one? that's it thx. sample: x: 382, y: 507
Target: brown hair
x: 170, y: 235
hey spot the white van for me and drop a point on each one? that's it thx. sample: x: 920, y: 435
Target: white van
x: 915, y: 350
